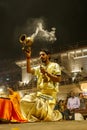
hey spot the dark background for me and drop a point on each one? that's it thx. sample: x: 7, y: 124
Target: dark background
x: 69, y: 17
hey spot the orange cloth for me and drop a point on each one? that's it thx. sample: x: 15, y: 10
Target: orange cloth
x: 5, y: 109
x: 10, y: 109
x: 16, y: 112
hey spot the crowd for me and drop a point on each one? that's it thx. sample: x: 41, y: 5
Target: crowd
x: 73, y: 105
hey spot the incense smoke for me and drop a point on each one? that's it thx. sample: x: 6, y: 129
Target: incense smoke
x: 43, y: 34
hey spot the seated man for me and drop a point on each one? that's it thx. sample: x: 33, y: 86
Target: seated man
x: 73, y: 103
x: 82, y: 101
x: 83, y: 106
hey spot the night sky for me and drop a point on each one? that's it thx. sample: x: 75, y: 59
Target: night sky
x: 69, y: 17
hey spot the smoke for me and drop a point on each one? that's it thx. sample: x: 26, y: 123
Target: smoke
x: 41, y: 33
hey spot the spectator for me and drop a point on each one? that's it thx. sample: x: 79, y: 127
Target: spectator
x: 82, y: 101
x: 73, y: 103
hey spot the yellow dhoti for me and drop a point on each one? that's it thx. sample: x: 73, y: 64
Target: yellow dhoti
x: 36, y: 107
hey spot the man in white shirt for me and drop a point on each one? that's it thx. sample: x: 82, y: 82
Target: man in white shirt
x: 73, y: 103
